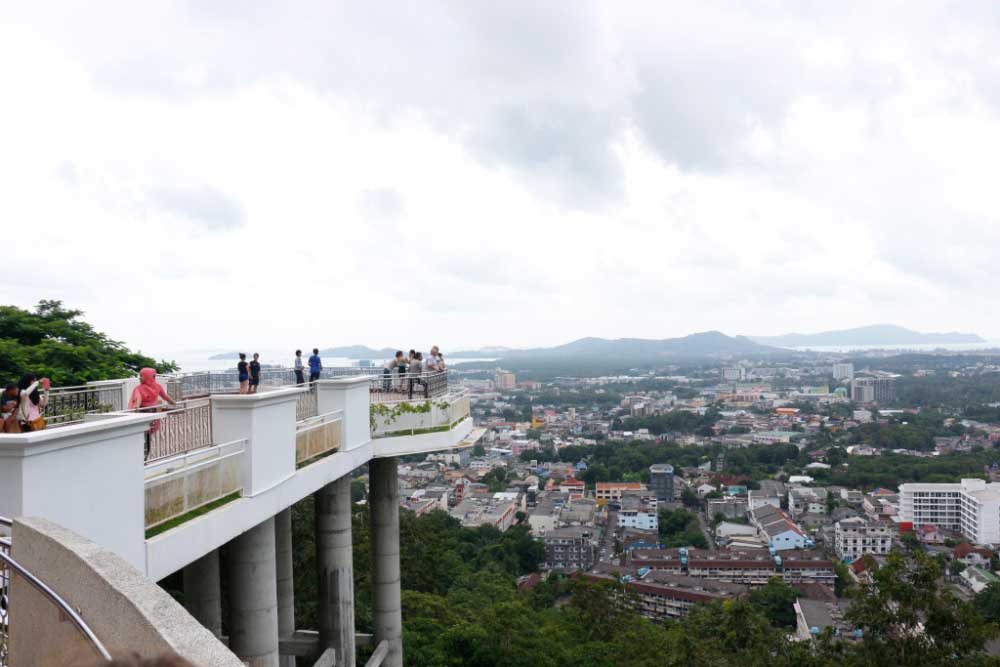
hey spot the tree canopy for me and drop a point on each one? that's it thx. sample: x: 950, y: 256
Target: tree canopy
x: 53, y: 342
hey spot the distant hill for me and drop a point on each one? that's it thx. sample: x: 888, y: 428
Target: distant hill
x: 706, y: 344
x: 358, y: 352
x: 878, y: 334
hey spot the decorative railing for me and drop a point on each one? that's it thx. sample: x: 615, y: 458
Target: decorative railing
x: 386, y: 387
x: 306, y: 405
x: 181, y: 484
x: 9, y: 568
x: 184, y: 427
x: 72, y: 403
x: 318, y: 436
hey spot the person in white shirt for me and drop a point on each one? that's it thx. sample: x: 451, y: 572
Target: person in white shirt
x: 431, y: 365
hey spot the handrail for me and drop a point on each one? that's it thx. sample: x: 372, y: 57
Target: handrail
x: 54, y: 598
x: 7, y: 562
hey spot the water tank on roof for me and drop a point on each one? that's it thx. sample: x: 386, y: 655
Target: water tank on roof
x: 772, y: 550
x: 626, y: 578
x: 859, y: 633
x: 777, y: 562
x: 814, y: 631
x: 684, y: 551
x: 643, y: 571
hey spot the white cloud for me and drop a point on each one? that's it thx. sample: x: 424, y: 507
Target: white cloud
x: 513, y: 175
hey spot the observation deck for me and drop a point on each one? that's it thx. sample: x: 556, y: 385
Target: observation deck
x: 221, y: 464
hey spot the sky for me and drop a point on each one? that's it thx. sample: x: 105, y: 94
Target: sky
x: 222, y: 175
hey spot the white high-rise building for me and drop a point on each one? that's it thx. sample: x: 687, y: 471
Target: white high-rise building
x: 843, y: 371
x: 971, y: 507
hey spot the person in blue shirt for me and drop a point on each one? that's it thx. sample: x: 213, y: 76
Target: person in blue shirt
x: 315, y: 365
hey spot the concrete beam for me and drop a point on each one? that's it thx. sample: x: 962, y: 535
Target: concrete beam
x: 285, y: 577
x: 335, y: 568
x: 384, y: 503
x: 203, y: 591
x: 253, y: 596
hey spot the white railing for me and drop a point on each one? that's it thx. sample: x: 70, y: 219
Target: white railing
x: 318, y: 436
x: 405, y: 417
x: 184, y: 427
x: 180, y: 484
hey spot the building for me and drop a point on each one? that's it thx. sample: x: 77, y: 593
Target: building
x: 871, y: 389
x: 638, y: 513
x: 662, y: 595
x: 614, y: 490
x: 475, y: 512
x: 570, y: 549
x: 661, y: 481
x: 572, y: 486
x: 544, y: 516
x: 781, y: 531
x: 843, y: 371
x: 505, y: 380
x: 856, y: 537
x: 807, y: 500
x: 731, y: 507
x: 749, y: 567
x: 971, y: 507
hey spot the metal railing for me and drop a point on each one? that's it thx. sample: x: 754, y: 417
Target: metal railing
x: 387, y: 386
x: 71, y: 403
x: 306, y: 405
x: 184, y: 427
x: 10, y: 568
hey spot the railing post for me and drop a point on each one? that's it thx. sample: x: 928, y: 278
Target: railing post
x: 351, y: 395
x: 267, y: 422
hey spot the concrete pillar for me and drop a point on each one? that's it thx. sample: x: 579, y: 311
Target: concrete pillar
x: 335, y: 565
x: 203, y: 592
x: 253, y: 596
x: 286, y: 581
x: 384, y: 500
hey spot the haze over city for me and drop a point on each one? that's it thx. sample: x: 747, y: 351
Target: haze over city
x: 516, y: 174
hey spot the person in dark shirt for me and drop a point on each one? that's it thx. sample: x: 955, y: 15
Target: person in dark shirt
x: 244, y: 370
x: 254, y: 373
x: 315, y: 365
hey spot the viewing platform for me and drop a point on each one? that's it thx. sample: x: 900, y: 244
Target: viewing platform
x: 221, y: 464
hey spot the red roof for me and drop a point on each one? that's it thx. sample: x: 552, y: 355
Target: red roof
x: 569, y: 481
x: 619, y: 485
x: 964, y: 549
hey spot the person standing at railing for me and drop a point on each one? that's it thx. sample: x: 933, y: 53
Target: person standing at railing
x: 147, y: 395
x: 416, y: 373
x: 255, y: 373
x: 432, y: 360
x: 10, y: 401
x: 243, y: 368
x: 315, y: 365
x: 32, y: 404
x: 300, y: 375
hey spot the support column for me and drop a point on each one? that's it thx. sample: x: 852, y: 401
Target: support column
x: 384, y: 499
x: 335, y: 567
x: 203, y: 592
x: 253, y: 596
x: 286, y: 581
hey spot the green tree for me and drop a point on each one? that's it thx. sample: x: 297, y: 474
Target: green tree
x: 909, y: 619
x: 52, y: 341
x: 776, y: 601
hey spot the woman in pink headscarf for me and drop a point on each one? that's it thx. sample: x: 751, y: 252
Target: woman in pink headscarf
x: 148, y: 395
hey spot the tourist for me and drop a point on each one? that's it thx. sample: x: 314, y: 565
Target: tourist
x: 441, y: 365
x: 416, y: 370
x: 32, y: 404
x: 10, y: 400
x: 147, y: 395
x: 254, y: 373
x: 315, y: 365
x: 432, y: 360
x: 243, y: 368
x: 300, y: 376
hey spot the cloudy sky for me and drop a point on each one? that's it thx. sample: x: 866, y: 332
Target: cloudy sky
x: 212, y: 175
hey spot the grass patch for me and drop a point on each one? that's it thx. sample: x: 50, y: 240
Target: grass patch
x: 187, y: 516
x: 314, y: 459
x: 422, y: 431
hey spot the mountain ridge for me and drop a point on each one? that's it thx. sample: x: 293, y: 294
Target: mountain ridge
x: 875, y: 334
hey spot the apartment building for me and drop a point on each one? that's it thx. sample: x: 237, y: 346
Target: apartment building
x: 570, y: 549
x: 857, y: 536
x: 638, y: 513
x: 663, y: 596
x: 752, y: 567
x: 971, y: 507
x: 612, y: 491
x: 873, y: 390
